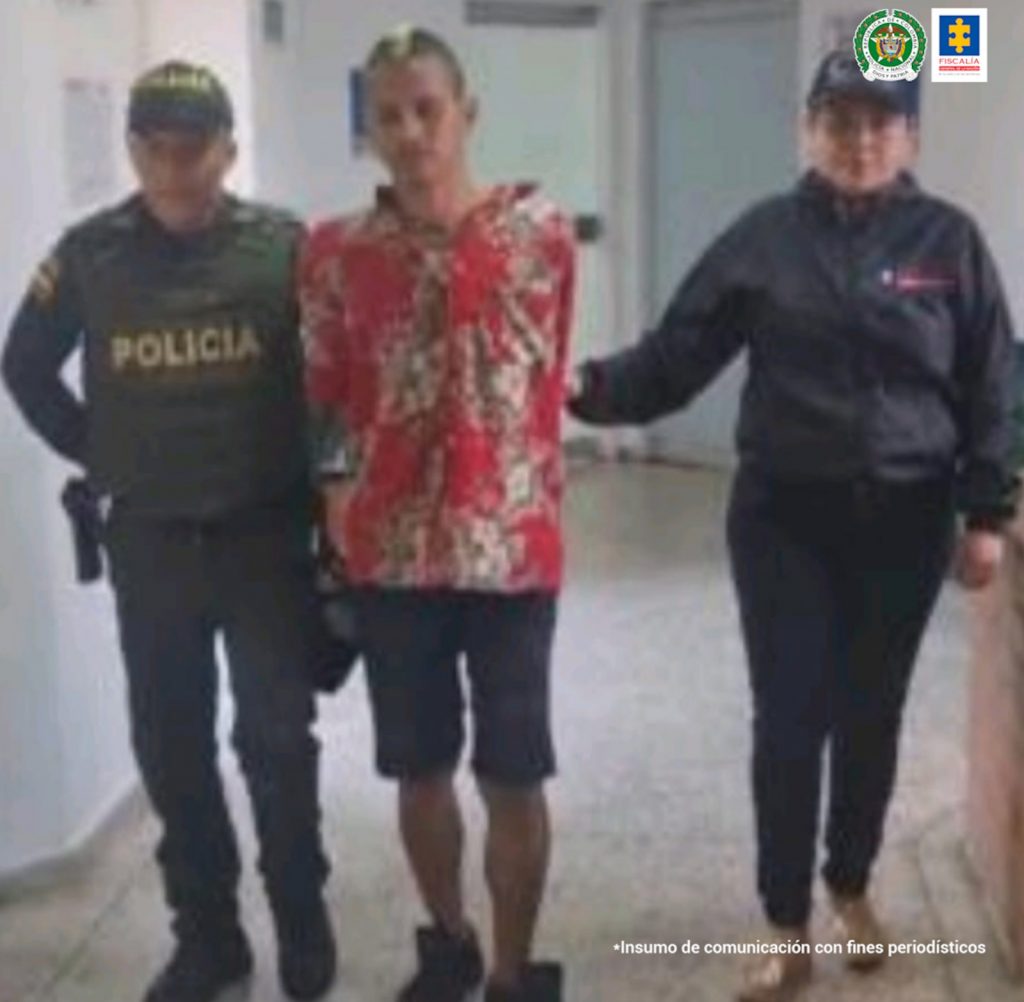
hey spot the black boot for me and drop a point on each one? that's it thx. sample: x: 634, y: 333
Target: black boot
x: 450, y: 968
x: 306, y: 955
x: 541, y: 982
x: 201, y: 968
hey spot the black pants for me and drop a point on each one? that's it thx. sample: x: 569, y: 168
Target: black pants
x: 179, y: 587
x: 835, y: 585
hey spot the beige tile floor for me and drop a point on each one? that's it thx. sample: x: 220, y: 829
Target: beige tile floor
x: 652, y: 813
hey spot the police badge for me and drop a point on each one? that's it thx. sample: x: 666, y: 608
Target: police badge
x: 890, y: 45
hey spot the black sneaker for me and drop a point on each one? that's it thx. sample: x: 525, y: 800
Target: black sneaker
x: 307, y: 959
x: 199, y: 971
x: 541, y: 982
x: 450, y: 967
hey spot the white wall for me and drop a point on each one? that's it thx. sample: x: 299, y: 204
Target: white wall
x: 973, y: 146
x: 628, y: 167
x: 277, y: 102
x: 63, y: 749
x: 27, y: 646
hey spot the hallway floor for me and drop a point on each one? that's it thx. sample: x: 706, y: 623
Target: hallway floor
x: 652, y: 814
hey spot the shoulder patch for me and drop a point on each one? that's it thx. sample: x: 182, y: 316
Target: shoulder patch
x: 44, y: 281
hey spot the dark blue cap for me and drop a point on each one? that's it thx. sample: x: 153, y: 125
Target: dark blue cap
x: 179, y: 96
x: 839, y: 75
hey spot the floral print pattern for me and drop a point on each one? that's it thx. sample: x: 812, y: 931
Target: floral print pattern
x: 442, y: 356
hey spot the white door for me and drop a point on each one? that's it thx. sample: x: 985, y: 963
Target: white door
x: 540, y: 90
x: 725, y: 108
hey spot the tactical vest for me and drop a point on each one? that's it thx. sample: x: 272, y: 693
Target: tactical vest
x: 192, y: 362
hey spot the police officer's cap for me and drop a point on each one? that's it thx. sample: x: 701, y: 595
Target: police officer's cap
x: 839, y: 75
x: 179, y: 96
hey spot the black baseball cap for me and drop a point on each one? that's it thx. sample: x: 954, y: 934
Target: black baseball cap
x: 179, y: 95
x: 839, y: 75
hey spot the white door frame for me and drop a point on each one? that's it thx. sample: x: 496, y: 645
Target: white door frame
x: 657, y: 15
x: 681, y: 13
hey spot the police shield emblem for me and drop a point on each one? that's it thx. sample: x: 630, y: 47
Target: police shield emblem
x: 890, y: 45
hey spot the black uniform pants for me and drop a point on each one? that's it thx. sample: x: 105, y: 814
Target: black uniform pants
x: 180, y: 586
x: 835, y: 585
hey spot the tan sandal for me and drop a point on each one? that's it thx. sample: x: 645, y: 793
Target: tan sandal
x: 857, y: 928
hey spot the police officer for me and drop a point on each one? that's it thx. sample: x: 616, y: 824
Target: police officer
x: 874, y: 423
x: 192, y: 424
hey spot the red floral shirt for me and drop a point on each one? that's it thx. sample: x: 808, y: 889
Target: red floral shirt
x: 443, y: 357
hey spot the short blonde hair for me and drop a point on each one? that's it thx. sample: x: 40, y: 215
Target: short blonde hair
x: 407, y: 42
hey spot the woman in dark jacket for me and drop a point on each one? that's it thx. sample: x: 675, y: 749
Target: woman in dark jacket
x: 873, y: 441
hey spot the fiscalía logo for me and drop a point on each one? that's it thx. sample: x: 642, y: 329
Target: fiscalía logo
x: 890, y: 45
x: 960, y: 50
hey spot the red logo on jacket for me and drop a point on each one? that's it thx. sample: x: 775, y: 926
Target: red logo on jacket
x: 920, y: 278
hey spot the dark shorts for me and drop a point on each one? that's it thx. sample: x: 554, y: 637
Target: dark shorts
x: 413, y: 644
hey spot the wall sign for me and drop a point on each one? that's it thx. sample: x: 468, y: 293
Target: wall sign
x: 90, y: 166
